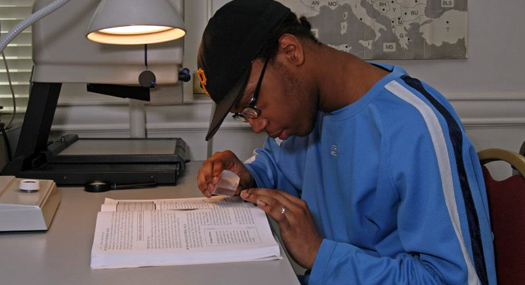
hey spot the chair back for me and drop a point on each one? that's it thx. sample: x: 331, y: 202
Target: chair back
x: 507, y: 214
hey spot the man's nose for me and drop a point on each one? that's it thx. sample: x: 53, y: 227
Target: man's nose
x: 258, y: 125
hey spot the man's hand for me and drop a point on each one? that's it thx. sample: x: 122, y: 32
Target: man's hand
x: 295, y: 221
x: 212, y: 168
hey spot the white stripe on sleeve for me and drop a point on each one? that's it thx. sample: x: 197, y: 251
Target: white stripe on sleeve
x: 440, y: 147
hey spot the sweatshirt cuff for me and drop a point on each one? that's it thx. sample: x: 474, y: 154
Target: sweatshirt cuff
x: 321, y: 262
x: 261, y: 183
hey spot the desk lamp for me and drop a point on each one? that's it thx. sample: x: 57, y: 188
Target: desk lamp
x: 62, y: 53
x: 119, y: 22
x: 134, y: 22
x: 122, y: 22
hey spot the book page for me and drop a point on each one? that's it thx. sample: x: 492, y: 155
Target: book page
x: 223, y: 230
x: 164, y: 204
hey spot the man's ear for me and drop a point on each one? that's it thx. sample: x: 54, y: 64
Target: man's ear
x: 292, y: 49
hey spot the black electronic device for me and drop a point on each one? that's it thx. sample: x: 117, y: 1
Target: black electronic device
x: 74, y: 161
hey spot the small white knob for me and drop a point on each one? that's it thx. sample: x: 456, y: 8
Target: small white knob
x: 29, y: 185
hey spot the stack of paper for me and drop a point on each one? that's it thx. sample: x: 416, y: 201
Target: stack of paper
x: 134, y: 233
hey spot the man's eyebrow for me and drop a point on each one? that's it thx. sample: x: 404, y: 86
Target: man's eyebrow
x: 237, y: 105
x: 239, y: 102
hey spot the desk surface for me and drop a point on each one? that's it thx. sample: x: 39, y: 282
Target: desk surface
x: 62, y: 254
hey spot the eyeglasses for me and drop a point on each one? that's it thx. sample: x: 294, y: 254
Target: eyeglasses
x: 250, y: 111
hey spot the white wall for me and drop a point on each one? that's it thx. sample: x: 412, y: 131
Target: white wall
x: 487, y: 89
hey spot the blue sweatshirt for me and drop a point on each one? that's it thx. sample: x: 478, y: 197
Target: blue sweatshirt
x: 395, y: 188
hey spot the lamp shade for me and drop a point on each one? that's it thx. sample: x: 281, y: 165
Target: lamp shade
x: 135, y: 22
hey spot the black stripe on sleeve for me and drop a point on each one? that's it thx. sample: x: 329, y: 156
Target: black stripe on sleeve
x: 456, y: 137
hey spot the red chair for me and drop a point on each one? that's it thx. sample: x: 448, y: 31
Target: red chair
x: 507, y: 215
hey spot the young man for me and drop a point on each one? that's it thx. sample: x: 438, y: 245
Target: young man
x: 367, y: 171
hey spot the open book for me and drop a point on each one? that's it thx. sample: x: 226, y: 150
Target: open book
x: 134, y: 233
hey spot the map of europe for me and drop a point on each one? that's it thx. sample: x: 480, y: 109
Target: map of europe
x: 389, y: 29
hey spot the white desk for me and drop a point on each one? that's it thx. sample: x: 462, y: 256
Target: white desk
x: 62, y: 254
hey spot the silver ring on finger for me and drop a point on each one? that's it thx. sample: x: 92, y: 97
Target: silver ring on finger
x: 283, y: 209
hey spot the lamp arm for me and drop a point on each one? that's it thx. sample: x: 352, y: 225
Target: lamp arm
x: 29, y: 21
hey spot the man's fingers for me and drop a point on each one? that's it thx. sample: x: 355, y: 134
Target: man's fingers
x: 201, y: 181
x: 274, y: 209
x: 206, y: 179
x: 218, y: 167
x: 273, y: 202
x: 212, y: 168
x: 281, y: 196
x: 275, y: 194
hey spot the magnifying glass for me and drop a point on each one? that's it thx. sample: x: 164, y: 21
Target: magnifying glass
x: 103, y: 186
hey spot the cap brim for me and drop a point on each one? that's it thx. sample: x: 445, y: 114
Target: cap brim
x: 225, y: 105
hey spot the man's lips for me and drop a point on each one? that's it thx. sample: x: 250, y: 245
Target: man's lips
x: 280, y: 134
x: 274, y: 135
x: 283, y: 135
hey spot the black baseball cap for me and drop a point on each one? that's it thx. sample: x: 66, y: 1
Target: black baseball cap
x: 231, y: 41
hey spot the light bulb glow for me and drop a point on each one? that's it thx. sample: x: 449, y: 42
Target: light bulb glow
x: 134, y: 30
x: 136, y: 39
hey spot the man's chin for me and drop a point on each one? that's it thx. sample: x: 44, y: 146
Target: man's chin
x: 307, y: 132
x: 283, y: 135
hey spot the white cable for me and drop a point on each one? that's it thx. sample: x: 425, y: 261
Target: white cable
x: 29, y: 21
x: 53, y: 6
x: 12, y: 91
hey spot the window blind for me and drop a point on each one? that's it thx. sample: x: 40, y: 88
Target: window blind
x: 18, y: 55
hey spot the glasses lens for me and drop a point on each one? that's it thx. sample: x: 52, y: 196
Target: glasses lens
x: 239, y: 118
x: 247, y: 113
x: 250, y: 113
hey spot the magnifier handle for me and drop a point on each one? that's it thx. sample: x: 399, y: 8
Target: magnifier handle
x: 115, y: 186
